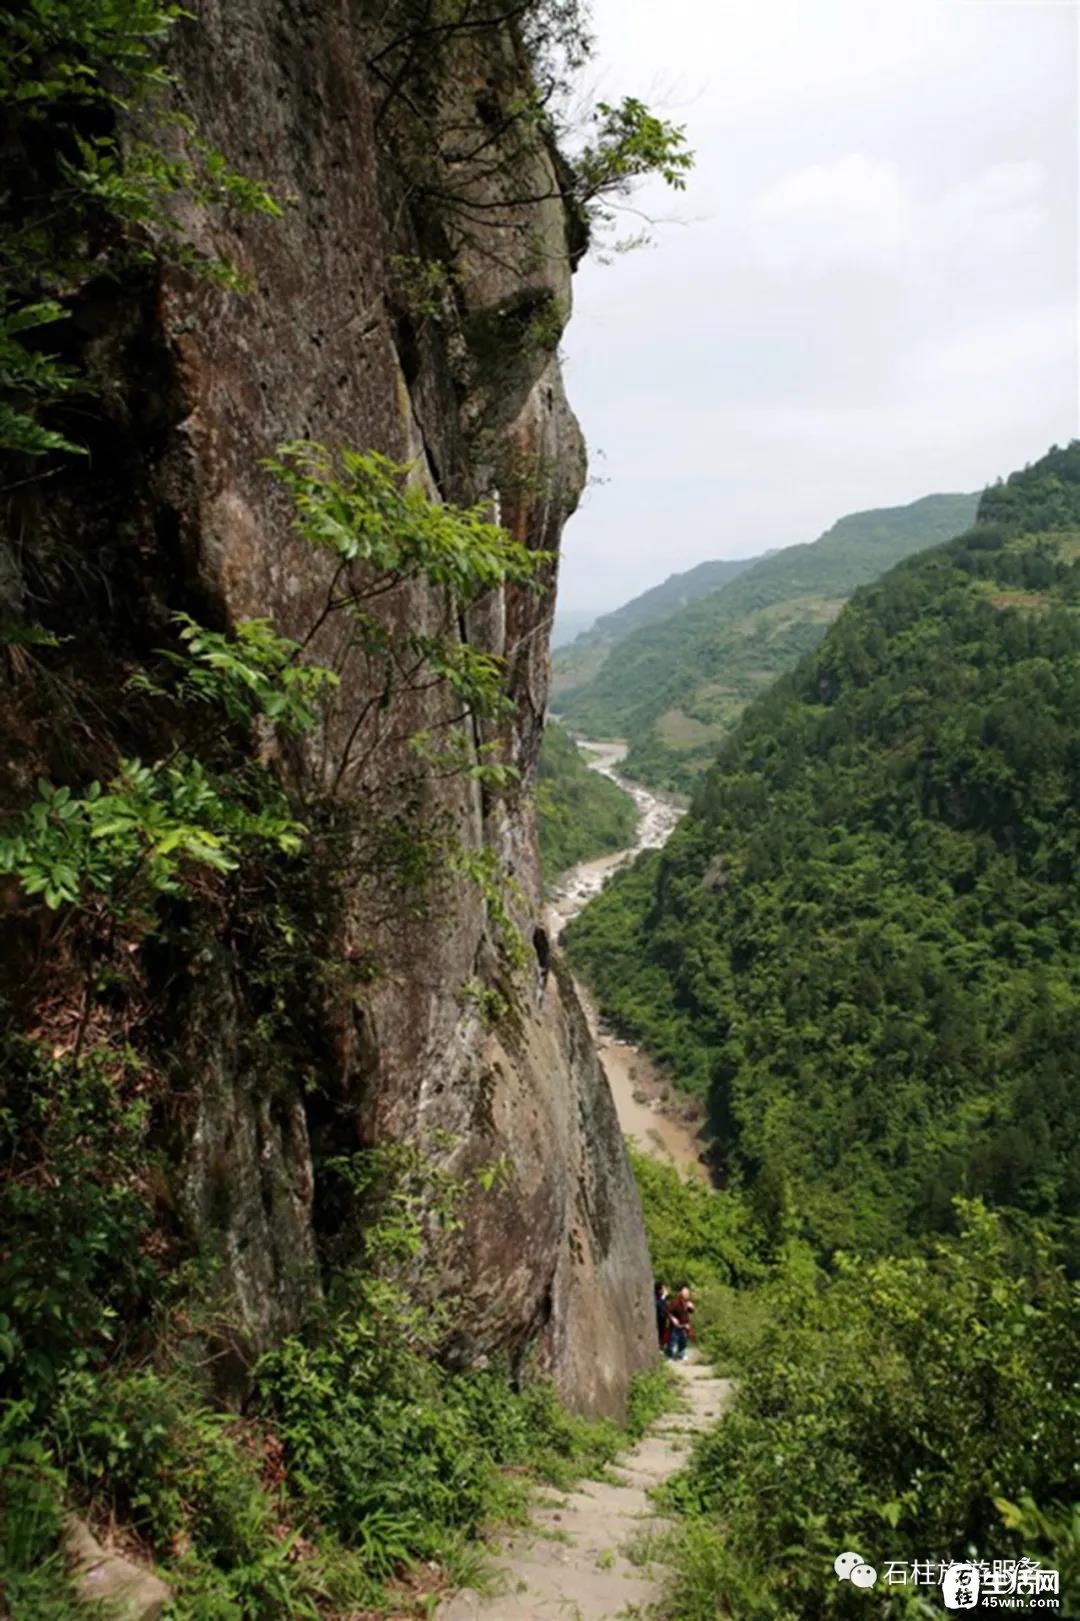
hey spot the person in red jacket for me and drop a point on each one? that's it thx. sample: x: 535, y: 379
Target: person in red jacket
x: 680, y: 1314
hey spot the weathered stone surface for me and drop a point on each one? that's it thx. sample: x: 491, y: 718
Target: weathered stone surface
x: 126, y: 1591
x: 552, y: 1261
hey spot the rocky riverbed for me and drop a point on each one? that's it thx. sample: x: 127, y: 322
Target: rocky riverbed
x: 650, y: 1112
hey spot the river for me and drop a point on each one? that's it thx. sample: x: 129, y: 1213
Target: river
x: 649, y: 1112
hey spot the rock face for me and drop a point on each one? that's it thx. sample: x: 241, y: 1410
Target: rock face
x: 333, y: 344
x: 108, y: 1581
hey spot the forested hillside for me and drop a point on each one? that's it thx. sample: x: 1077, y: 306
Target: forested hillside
x: 862, y: 941
x: 574, y: 666
x: 675, y: 687
x: 579, y: 814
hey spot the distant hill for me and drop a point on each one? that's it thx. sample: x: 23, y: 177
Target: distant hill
x: 571, y: 622
x: 675, y: 686
x: 579, y: 663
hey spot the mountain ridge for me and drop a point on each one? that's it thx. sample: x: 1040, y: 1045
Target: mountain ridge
x: 674, y: 687
x: 576, y: 662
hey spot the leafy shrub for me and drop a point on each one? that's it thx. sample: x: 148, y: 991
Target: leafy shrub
x: 72, y: 1212
x: 900, y: 1406
x: 385, y: 1448
x: 695, y: 1234
x: 651, y: 1396
x: 396, y: 1456
x: 171, y: 1466
x: 83, y: 203
x: 34, y: 1584
x: 203, y: 1488
x: 372, y: 1440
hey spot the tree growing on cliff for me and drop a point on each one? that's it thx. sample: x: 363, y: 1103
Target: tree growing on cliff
x: 114, y: 849
x: 530, y: 148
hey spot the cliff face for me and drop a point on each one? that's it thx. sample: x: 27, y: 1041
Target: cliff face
x: 334, y: 344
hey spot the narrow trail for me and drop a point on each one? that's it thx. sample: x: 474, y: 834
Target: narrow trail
x: 584, y: 1555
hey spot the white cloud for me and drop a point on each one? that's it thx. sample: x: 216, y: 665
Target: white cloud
x: 862, y: 213
x: 854, y: 211
x: 1000, y: 189
x: 1015, y: 358
x: 1002, y: 209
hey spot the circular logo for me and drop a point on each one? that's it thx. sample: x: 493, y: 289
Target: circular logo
x: 845, y: 1563
x: 863, y: 1576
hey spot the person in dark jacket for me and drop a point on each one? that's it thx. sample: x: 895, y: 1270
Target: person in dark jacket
x: 662, y: 1324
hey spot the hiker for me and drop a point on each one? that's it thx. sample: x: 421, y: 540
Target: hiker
x: 663, y: 1326
x: 680, y: 1311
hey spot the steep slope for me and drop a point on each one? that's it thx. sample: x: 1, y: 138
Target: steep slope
x: 862, y: 940
x: 579, y: 663
x: 579, y: 813
x: 674, y: 688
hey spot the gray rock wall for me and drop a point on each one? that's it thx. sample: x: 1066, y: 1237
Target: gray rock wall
x: 552, y: 1261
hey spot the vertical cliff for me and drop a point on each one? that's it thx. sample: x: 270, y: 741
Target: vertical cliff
x: 408, y: 301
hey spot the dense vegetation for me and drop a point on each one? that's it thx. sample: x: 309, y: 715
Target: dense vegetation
x: 574, y: 666
x: 165, y: 839
x: 862, y: 945
x: 675, y: 687
x: 357, y: 1454
x: 580, y: 814
x: 909, y: 1408
x: 355, y: 1457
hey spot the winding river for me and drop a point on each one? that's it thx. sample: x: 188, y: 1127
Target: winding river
x: 648, y: 1111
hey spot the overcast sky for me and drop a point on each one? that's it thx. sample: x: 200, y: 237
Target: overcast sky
x: 872, y: 293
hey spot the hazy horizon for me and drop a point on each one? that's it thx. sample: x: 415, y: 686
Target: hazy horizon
x: 872, y: 293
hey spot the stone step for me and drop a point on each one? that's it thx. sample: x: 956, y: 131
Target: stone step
x: 570, y: 1564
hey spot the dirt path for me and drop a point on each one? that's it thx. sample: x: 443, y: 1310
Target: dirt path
x: 582, y: 1557
x: 647, y: 1113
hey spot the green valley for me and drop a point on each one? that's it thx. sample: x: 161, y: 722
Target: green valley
x: 576, y: 664
x: 383, y: 1075
x: 861, y: 941
x: 675, y: 685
